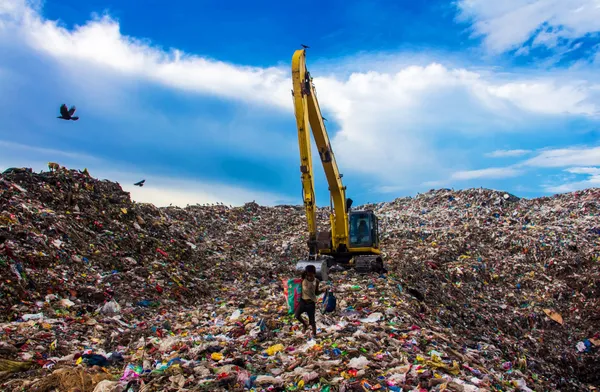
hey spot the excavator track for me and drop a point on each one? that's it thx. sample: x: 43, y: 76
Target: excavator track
x: 368, y: 263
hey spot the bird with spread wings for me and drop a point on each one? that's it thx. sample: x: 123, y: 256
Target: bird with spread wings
x: 67, y: 114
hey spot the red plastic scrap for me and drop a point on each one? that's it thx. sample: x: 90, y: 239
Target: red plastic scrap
x: 162, y: 252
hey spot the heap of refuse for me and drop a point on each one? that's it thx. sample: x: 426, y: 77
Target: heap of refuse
x: 485, y: 292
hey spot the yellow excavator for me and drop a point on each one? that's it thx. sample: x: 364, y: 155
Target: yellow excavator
x: 353, y: 241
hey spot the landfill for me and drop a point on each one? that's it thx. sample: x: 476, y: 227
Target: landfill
x: 484, y: 292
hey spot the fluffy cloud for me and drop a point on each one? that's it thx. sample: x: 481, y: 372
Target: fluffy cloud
x: 563, y: 157
x: 592, y: 180
x: 549, y: 158
x: 510, y: 24
x: 507, y: 153
x: 491, y: 173
x: 391, y: 125
x: 593, y: 171
x: 100, y: 43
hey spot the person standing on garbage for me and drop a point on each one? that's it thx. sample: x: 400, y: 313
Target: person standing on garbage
x: 308, y: 302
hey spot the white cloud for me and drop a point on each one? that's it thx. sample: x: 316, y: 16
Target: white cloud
x: 592, y: 181
x: 545, y: 97
x: 393, y: 120
x: 490, y: 173
x: 162, y: 191
x: 507, y: 153
x: 583, y: 158
x: 584, y: 170
x: 158, y: 190
x: 563, y: 157
x: 100, y: 42
x: 509, y: 24
x: 389, y: 121
x: 18, y: 149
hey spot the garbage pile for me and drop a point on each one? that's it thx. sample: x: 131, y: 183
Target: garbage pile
x: 485, y: 292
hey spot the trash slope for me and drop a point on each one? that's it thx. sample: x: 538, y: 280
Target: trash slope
x: 485, y: 292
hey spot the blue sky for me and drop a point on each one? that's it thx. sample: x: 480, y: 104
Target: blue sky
x: 195, y: 97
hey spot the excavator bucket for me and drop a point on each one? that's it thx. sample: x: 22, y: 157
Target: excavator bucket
x: 320, y: 266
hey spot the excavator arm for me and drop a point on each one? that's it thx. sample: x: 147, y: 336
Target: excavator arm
x: 308, y: 114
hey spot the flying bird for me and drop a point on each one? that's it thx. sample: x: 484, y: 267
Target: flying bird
x: 67, y: 114
x: 304, y: 46
x: 140, y: 183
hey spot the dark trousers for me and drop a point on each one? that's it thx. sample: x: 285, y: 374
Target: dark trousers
x: 307, y: 307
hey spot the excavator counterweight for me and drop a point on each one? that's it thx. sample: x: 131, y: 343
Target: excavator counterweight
x: 354, y: 237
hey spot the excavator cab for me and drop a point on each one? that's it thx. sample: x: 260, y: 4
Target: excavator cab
x: 364, y: 230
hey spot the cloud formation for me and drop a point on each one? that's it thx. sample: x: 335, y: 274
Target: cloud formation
x: 563, y: 157
x: 99, y: 42
x: 592, y: 180
x: 512, y: 24
x: 507, y: 153
x: 493, y: 173
x: 400, y: 126
x: 575, y: 159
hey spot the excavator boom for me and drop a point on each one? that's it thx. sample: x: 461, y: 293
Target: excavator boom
x: 308, y: 113
x: 354, y: 235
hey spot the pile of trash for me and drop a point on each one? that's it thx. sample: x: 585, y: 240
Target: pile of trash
x: 485, y: 292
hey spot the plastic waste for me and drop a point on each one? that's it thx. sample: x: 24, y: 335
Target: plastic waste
x: 110, y: 308
x: 358, y: 363
x: 36, y: 316
x: 274, y: 349
x: 373, y: 318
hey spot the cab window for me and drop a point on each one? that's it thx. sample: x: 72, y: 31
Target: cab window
x: 360, y: 230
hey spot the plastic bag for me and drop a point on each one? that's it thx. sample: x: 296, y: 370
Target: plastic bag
x: 373, y: 318
x: 292, y: 289
x: 106, y: 386
x: 275, y: 349
x: 329, y: 302
x: 36, y: 316
x: 110, y: 308
x: 358, y: 363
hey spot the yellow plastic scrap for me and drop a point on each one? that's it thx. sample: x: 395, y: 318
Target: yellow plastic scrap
x: 455, y: 369
x: 216, y: 356
x: 274, y: 349
x: 176, y: 280
x: 554, y: 316
x: 124, y: 210
x: 6, y: 365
